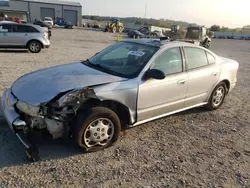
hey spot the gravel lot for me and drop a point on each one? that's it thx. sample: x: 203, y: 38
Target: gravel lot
x: 196, y: 148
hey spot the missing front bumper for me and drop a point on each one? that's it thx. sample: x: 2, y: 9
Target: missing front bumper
x: 17, y: 125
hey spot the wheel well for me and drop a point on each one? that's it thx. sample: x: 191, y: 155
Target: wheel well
x: 34, y: 40
x: 121, y: 110
x: 227, y: 84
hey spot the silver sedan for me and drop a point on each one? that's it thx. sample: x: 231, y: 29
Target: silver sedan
x: 126, y: 84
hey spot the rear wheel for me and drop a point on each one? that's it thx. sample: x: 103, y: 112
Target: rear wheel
x: 34, y: 46
x: 114, y: 29
x: 120, y: 29
x: 96, y: 129
x: 217, y: 97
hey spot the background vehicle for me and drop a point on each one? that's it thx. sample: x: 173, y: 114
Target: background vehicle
x: 49, y: 20
x: 136, y: 34
x: 156, y: 34
x: 97, y: 26
x: 27, y: 36
x: 127, y: 84
x: 114, y: 26
x: 68, y: 25
x: 44, y: 24
x: 198, y: 35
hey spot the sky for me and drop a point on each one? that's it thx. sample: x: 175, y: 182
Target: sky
x: 228, y: 13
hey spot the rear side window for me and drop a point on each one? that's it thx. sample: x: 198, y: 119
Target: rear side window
x: 19, y: 28
x: 210, y: 58
x: 32, y: 29
x: 196, y: 57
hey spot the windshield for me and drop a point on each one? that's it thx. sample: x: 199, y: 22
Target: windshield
x: 124, y: 59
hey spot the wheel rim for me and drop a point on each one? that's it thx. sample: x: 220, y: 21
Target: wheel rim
x: 34, y: 47
x: 218, y: 96
x: 99, y: 132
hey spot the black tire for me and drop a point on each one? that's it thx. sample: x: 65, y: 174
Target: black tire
x: 208, y: 45
x: 211, y: 104
x: 84, y: 120
x: 34, y: 46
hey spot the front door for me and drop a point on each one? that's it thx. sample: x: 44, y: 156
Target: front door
x: 5, y: 34
x: 159, y: 97
x: 203, y: 74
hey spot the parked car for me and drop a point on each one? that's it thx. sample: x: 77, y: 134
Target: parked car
x: 157, y: 34
x: 68, y: 25
x: 44, y: 24
x: 97, y: 26
x: 89, y: 25
x: 14, y: 35
x: 49, y: 20
x: 127, y: 84
x: 136, y: 34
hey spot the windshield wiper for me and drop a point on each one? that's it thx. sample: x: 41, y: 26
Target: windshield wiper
x: 87, y: 62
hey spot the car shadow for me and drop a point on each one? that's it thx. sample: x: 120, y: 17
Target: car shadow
x: 12, y: 152
x: 14, y: 51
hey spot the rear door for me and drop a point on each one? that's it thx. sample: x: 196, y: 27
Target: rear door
x: 203, y: 74
x: 5, y: 34
x: 19, y: 35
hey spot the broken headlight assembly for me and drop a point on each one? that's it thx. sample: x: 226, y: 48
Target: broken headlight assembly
x: 72, y: 98
x: 27, y: 108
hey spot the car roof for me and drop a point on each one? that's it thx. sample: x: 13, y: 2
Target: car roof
x: 161, y: 43
x: 26, y: 24
x: 7, y: 22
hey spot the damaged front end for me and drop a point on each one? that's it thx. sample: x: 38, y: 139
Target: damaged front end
x: 54, y: 115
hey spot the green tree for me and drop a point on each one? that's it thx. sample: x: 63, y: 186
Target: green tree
x: 215, y: 28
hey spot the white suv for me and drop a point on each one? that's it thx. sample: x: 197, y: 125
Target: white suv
x: 49, y: 20
x: 28, y: 36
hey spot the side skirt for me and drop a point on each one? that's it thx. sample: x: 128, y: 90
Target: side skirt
x: 164, y: 115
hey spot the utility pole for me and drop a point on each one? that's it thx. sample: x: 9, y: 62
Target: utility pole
x: 145, y: 15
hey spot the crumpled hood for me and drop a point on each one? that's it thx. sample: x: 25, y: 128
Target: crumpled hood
x: 43, y: 85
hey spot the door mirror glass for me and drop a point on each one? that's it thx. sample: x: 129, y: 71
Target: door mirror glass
x: 155, y: 74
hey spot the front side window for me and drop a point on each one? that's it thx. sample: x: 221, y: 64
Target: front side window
x: 196, y: 57
x: 125, y: 59
x: 5, y: 28
x: 170, y: 61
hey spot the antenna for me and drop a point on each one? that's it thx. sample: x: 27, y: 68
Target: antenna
x: 145, y: 15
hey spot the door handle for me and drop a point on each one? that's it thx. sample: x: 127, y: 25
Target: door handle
x: 214, y: 74
x: 181, y: 81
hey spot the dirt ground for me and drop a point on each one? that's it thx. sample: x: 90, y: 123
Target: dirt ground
x: 196, y: 148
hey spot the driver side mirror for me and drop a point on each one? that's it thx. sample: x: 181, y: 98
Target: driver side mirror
x: 155, y: 74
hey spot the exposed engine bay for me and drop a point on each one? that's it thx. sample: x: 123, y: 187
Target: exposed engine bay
x: 56, y: 114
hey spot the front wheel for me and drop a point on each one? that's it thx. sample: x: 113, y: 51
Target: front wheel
x: 34, y: 47
x: 217, y: 97
x: 96, y: 129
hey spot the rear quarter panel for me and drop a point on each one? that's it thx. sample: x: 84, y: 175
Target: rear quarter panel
x: 229, y: 71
